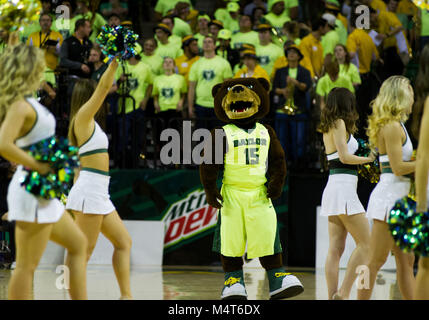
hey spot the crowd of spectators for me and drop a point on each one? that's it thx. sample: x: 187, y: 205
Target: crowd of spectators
x: 303, y: 48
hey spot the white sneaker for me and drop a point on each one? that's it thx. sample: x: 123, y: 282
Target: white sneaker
x: 13, y: 266
x: 235, y: 292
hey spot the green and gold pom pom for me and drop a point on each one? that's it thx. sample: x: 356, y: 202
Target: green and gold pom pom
x: 63, y: 159
x: 117, y: 42
x: 410, y: 229
x: 369, y: 171
x: 16, y: 14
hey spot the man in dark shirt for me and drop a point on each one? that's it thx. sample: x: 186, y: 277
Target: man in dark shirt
x: 75, y: 50
x: 292, y: 83
x: 74, y: 56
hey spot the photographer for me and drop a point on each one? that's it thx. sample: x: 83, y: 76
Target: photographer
x: 50, y: 41
x: 74, y: 56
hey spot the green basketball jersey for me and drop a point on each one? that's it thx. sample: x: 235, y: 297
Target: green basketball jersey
x: 246, y: 158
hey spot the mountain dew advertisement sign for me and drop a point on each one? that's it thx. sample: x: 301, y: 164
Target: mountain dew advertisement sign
x: 188, y: 217
x: 173, y: 196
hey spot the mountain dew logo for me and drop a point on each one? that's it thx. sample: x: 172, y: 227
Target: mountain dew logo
x: 167, y: 93
x: 208, y: 75
x: 187, y: 218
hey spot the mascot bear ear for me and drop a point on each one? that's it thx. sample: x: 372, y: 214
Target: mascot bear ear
x: 265, y: 84
x: 216, y: 88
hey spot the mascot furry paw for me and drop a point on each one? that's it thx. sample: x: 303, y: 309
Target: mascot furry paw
x: 251, y: 150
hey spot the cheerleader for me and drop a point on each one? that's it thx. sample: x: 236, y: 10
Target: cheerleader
x: 387, y: 133
x: 421, y: 130
x: 24, y: 122
x: 89, y: 198
x: 340, y: 202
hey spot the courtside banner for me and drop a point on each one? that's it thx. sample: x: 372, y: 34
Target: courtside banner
x: 173, y: 196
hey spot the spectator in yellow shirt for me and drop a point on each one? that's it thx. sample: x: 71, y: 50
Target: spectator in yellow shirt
x: 185, y: 61
x: 48, y: 40
x: 395, y: 45
x: 251, y: 69
x: 311, y: 46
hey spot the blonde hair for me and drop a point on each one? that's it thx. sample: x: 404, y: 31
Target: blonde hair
x: 392, y: 104
x: 21, y: 70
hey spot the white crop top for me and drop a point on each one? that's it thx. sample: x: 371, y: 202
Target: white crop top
x: 97, y: 142
x: 407, y: 149
x: 352, y: 146
x: 43, y: 128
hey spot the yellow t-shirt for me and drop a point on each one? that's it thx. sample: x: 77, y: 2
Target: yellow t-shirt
x: 259, y: 72
x: 38, y: 39
x: 387, y: 21
x: 360, y: 42
x: 184, y: 65
x: 312, y: 48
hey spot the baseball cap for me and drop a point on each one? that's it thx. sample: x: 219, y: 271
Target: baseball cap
x: 232, y: 7
x: 163, y: 27
x: 330, y: 18
x: 204, y: 16
x: 332, y: 4
x: 187, y: 40
x: 263, y: 27
x: 216, y: 22
x: 224, y: 34
x: 249, y: 53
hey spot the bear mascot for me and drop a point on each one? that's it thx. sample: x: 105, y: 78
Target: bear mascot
x: 247, y: 221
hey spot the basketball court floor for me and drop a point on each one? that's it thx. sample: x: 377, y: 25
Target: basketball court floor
x: 186, y: 283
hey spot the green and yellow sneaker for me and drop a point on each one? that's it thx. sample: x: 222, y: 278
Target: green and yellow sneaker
x: 283, y: 285
x: 234, y: 288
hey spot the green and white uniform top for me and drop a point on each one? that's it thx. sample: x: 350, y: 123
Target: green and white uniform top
x: 246, y: 159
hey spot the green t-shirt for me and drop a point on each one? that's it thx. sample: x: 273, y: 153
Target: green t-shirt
x: 293, y: 72
x: 163, y: 6
x: 276, y: 21
x: 64, y: 26
x: 351, y: 72
x: 181, y: 28
x: 329, y: 41
x: 425, y: 23
x: 169, y: 50
x: 231, y: 24
x: 140, y: 78
x: 154, y: 62
x: 267, y: 55
x: 342, y: 31
x: 325, y: 85
x: 239, y: 38
x: 207, y: 73
x: 288, y: 4
x: 168, y: 89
